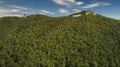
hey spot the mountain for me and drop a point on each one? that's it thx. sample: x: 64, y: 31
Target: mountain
x: 87, y: 40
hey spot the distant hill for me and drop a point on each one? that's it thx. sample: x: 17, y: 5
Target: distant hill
x: 83, y: 39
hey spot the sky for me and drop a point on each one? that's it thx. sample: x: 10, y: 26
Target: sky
x: 109, y: 8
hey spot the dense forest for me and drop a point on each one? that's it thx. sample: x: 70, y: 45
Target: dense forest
x: 43, y: 41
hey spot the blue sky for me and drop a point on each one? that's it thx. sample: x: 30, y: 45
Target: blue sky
x: 108, y: 8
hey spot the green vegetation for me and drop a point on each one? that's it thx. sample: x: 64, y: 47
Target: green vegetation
x: 42, y: 41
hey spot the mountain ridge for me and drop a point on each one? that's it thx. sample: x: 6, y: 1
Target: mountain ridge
x: 78, y: 14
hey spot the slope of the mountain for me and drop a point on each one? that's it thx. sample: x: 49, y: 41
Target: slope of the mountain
x: 41, y: 41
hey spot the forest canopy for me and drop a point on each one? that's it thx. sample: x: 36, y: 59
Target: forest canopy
x: 42, y: 41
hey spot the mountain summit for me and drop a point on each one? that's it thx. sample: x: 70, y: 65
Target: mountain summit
x: 83, y: 13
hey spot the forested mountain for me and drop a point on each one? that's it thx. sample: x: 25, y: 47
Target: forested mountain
x: 88, y: 40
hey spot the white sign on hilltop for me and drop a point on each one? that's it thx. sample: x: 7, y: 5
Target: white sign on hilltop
x: 77, y: 15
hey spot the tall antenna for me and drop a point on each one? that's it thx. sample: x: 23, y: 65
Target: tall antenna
x: 25, y: 13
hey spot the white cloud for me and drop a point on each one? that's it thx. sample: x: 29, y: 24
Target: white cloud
x: 14, y: 10
x: 79, y: 3
x: 76, y: 10
x: 5, y: 15
x: 8, y: 10
x: 46, y: 12
x: 91, y: 5
x: 67, y: 2
x: 96, y: 5
x: 19, y: 7
x: 63, y: 11
x: 116, y: 17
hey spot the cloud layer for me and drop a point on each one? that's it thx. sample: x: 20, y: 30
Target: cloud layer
x: 63, y: 11
x: 67, y: 2
x: 3, y: 11
x: 96, y: 5
x: 19, y: 7
x: 72, y: 6
x: 12, y: 10
x: 46, y: 12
